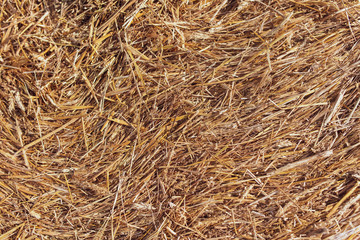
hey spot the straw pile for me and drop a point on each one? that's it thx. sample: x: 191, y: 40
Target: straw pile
x: 165, y: 119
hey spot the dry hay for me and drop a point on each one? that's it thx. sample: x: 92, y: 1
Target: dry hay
x: 197, y: 119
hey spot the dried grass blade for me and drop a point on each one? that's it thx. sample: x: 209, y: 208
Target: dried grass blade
x: 46, y: 136
x: 10, y: 232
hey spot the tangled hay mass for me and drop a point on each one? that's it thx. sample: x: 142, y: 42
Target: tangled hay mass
x: 170, y: 119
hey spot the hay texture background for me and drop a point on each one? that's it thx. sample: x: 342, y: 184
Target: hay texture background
x: 193, y: 119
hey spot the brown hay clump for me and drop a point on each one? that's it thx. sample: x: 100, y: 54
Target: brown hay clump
x: 193, y: 119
